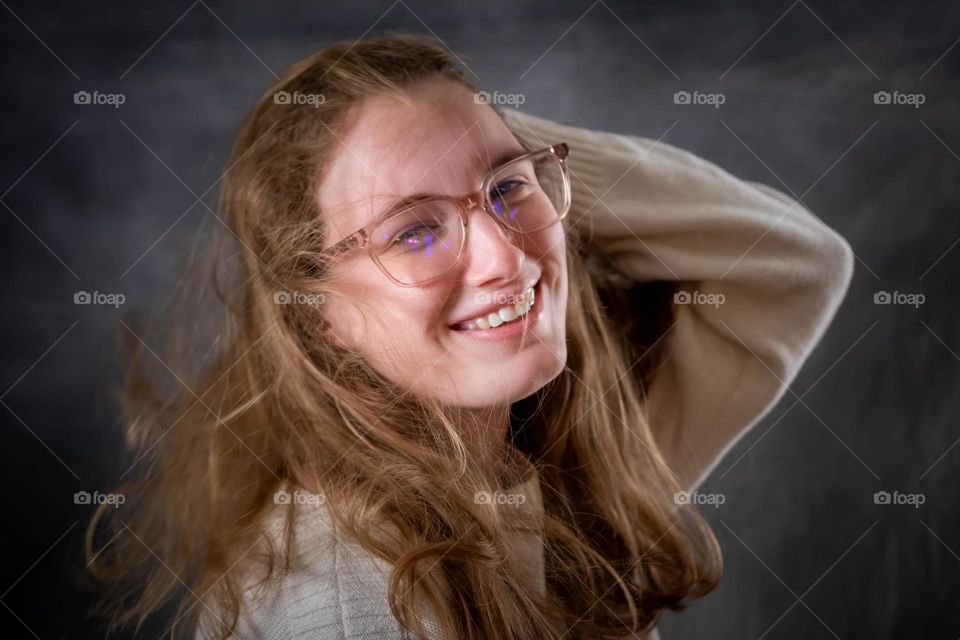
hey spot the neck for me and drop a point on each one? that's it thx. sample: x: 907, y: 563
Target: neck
x: 488, y: 432
x: 488, y: 438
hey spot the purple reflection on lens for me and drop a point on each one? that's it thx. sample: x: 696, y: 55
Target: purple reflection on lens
x: 513, y: 214
x: 429, y: 242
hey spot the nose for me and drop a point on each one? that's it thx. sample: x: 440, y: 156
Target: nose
x: 493, y: 253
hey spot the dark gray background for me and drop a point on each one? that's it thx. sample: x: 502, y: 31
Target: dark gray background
x: 90, y: 191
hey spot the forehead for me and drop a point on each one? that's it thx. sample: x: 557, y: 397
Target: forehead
x: 441, y: 142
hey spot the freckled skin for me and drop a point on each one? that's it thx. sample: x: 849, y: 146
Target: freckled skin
x: 442, y: 143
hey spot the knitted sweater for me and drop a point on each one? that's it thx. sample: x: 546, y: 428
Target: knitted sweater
x: 760, y: 279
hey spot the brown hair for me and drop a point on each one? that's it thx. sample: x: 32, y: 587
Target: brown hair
x: 276, y: 400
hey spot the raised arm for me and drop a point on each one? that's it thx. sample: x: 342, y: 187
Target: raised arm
x: 760, y: 278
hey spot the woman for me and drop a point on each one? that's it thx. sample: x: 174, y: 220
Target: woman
x: 471, y: 360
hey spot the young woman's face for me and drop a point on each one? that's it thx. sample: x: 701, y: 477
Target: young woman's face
x: 442, y: 143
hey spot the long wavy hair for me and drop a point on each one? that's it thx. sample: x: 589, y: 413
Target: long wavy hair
x: 261, y: 397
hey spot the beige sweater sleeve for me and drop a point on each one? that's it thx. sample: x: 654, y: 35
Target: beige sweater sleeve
x: 661, y: 213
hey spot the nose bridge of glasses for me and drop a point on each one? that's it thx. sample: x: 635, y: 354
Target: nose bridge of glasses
x: 472, y: 200
x: 468, y: 202
x: 478, y: 199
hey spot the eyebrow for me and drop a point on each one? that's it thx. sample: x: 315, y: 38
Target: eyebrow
x: 406, y: 201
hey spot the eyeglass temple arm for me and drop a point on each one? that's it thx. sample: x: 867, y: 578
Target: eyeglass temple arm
x: 356, y: 239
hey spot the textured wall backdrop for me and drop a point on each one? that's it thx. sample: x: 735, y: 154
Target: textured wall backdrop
x: 104, y: 197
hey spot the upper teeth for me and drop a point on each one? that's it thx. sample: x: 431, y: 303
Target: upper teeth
x: 504, y: 314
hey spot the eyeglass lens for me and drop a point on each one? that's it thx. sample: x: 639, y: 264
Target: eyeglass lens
x: 425, y: 240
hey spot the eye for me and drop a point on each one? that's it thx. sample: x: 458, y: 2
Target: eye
x: 502, y: 188
x: 415, y: 237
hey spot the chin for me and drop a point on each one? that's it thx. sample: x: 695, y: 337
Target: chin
x: 513, y: 381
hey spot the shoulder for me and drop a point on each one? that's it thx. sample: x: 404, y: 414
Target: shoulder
x: 332, y: 587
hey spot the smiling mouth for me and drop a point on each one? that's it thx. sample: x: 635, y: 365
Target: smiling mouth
x: 505, y: 315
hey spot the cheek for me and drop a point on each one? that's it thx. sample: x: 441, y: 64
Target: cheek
x: 345, y: 318
x: 381, y: 319
x: 548, y: 246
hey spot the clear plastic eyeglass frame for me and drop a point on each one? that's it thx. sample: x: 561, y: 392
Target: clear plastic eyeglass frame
x: 359, y: 239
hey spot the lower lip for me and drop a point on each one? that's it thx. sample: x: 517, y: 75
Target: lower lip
x: 509, y: 330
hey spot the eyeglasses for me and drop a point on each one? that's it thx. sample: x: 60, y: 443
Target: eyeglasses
x: 421, y: 240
